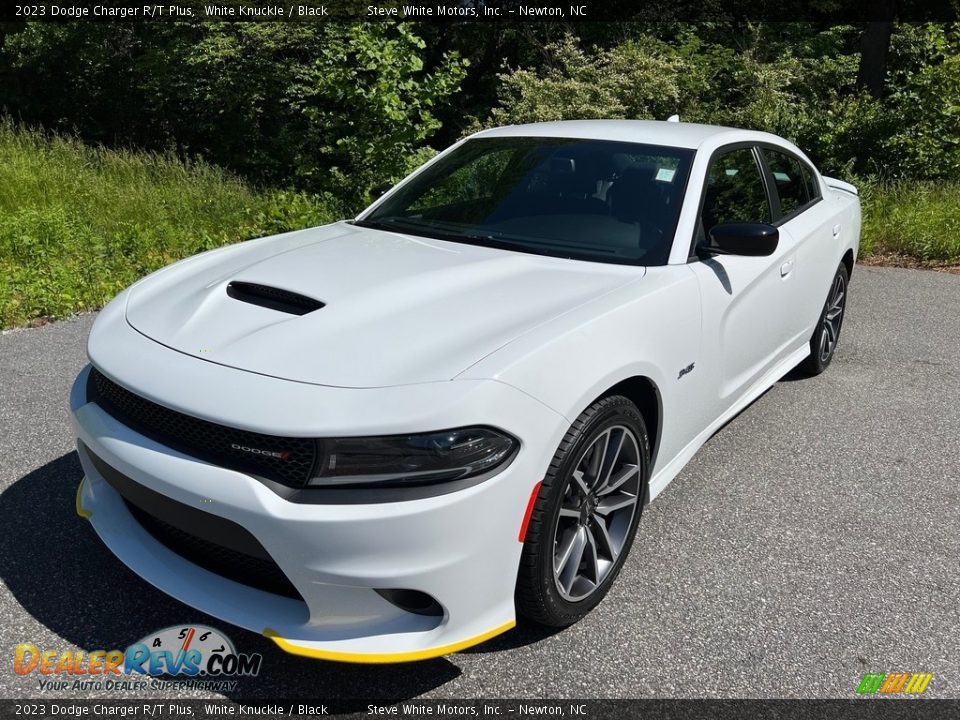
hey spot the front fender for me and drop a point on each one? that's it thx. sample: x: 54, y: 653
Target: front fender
x: 648, y: 329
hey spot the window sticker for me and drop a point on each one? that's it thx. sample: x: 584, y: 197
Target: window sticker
x: 665, y: 174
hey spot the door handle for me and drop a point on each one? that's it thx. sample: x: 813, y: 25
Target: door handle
x: 786, y: 268
x: 836, y: 231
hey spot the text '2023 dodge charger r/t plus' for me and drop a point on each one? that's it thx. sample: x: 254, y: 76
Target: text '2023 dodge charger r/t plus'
x: 382, y: 439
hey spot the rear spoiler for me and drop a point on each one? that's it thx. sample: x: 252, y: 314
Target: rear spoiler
x: 840, y: 185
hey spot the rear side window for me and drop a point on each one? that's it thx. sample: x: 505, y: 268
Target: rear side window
x: 792, y: 180
x: 735, y: 191
x: 810, y: 180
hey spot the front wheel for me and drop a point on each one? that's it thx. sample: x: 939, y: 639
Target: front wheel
x: 586, y: 514
x: 826, y: 335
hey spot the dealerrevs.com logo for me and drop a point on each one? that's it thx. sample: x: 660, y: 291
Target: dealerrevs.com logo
x: 195, y: 655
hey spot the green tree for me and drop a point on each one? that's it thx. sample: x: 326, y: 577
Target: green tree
x: 924, y: 99
x: 793, y: 79
x: 334, y: 108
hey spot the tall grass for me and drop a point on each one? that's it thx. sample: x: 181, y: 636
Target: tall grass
x: 79, y: 223
x: 918, y: 220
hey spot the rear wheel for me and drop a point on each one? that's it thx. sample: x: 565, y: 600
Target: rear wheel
x: 586, y: 514
x: 826, y: 336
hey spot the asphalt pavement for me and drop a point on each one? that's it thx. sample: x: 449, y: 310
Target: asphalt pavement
x: 813, y: 539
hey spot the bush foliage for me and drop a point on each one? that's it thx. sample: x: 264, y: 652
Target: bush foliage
x: 328, y: 107
x: 340, y: 108
x: 795, y: 82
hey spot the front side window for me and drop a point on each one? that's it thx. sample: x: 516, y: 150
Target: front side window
x: 793, y: 188
x: 583, y: 199
x: 735, y: 191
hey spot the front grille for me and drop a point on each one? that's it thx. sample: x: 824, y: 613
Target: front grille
x: 211, y: 541
x: 260, y: 573
x: 221, y: 445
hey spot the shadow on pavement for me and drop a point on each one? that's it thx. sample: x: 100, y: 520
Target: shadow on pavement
x: 525, y: 633
x: 55, y: 566
x: 795, y: 375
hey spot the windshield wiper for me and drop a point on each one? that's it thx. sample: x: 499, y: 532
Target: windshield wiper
x: 430, y: 229
x: 427, y: 229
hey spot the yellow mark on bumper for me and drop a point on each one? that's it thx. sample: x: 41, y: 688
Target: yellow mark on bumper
x: 395, y: 657
x: 81, y: 510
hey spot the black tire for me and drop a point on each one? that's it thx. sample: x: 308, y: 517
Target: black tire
x: 538, y: 595
x: 826, y: 335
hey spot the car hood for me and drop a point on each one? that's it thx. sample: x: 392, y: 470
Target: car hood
x: 397, y: 309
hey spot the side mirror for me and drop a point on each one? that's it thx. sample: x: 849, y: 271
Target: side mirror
x: 752, y: 239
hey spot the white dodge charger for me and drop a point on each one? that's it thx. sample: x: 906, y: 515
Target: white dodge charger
x: 381, y: 439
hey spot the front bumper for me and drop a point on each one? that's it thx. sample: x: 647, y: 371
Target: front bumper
x: 461, y: 548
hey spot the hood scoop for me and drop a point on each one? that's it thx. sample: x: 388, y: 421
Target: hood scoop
x: 273, y: 298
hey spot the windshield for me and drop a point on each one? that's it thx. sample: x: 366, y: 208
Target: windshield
x: 583, y: 199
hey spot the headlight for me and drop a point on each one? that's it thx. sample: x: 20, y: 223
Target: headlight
x: 410, y: 460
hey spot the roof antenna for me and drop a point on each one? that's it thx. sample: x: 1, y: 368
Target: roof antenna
x: 673, y: 118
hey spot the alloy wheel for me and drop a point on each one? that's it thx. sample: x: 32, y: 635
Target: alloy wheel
x: 596, y: 512
x: 833, y: 318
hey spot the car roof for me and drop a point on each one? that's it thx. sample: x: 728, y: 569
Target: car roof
x: 654, y: 132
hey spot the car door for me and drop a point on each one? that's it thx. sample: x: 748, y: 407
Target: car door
x: 744, y: 299
x: 813, y: 230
